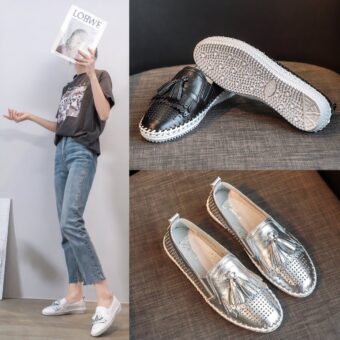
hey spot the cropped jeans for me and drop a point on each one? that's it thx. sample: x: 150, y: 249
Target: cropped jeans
x: 74, y: 170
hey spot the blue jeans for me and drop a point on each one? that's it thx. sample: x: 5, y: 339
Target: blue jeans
x: 74, y: 170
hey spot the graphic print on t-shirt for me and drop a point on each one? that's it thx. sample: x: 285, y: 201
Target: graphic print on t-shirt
x: 70, y: 103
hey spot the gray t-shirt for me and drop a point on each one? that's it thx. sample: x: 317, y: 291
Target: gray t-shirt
x: 77, y: 116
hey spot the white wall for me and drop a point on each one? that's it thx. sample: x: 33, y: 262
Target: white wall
x: 31, y: 79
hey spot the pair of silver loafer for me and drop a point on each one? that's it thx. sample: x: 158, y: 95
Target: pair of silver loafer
x: 232, y: 290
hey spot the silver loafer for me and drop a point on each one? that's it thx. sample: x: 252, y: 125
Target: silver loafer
x: 277, y: 254
x: 233, y: 291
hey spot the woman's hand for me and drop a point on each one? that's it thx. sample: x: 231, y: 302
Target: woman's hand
x: 88, y: 62
x: 17, y: 116
x: 21, y: 116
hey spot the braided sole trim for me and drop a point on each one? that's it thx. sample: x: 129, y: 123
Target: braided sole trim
x: 179, y: 131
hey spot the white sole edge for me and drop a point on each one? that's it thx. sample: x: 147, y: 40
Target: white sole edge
x: 168, y: 135
x: 239, y: 67
x: 66, y: 313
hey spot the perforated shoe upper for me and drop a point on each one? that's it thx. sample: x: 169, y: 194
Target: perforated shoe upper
x: 180, y: 100
x: 282, y: 258
x: 245, y: 297
x: 279, y: 256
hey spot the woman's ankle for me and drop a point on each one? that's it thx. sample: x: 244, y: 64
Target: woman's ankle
x: 105, y: 299
x: 71, y: 298
x: 75, y: 293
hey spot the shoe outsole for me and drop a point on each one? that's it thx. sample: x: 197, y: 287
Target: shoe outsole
x: 173, y: 255
x: 177, y: 132
x: 82, y: 311
x: 239, y: 67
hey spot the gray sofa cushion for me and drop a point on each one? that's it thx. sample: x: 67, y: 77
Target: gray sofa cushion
x: 165, y: 305
x: 238, y: 134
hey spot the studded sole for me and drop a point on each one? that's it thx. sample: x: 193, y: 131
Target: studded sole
x: 238, y: 67
x: 172, y: 253
x: 168, y: 135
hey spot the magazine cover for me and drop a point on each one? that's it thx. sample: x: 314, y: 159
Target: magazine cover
x: 80, y: 30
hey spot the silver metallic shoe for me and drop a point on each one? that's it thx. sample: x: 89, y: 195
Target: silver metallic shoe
x: 277, y: 254
x: 233, y: 291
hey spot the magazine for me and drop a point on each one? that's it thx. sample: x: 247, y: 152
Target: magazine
x: 80, y: 30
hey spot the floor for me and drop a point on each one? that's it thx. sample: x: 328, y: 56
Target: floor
x: 21, y: 319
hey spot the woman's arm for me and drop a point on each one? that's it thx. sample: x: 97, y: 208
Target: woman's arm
x: 101, y: 103
x: 47, y: 124
x: 22, y: 116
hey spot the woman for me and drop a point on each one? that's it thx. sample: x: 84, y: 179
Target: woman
x: 84, y: 108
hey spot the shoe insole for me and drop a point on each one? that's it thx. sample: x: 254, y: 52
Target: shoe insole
x: 200, y: 254
x: 242, y: 215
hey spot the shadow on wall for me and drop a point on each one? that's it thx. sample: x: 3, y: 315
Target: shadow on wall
x: 20, y: 253
x: 35, y: 259
x: 40, y: 264
x: 29, y: 138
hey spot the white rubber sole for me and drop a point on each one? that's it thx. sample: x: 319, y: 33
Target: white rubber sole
x: 238, y: 67
x: 108, y: 325
x: 172, y: 253
x: 168, y: 135
x: 74, y: 311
